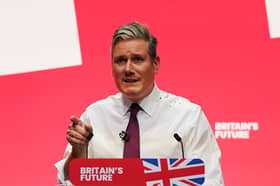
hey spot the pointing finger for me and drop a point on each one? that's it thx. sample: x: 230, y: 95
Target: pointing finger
x: 75, y: 120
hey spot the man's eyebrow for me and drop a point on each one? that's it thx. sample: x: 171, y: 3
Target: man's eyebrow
x: 137, y: 54
x: 120, y: 56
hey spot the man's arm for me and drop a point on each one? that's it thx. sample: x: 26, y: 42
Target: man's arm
x: 204, y: 146
x: 77, y: 135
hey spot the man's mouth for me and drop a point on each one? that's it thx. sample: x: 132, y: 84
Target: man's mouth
x: 130, y: 80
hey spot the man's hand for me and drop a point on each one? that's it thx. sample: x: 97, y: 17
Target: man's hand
x: 78, y: 135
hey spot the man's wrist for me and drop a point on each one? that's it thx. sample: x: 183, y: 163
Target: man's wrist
x: 79, y: 152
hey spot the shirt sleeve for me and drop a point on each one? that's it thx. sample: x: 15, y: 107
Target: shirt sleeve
x: 205, y: 147
x: 60, y: 168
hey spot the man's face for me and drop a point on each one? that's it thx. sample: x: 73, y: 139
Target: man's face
x: 133, y: 68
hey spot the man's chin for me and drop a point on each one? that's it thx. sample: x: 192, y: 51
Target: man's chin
x: 131, y: 94
x: 133, y: 90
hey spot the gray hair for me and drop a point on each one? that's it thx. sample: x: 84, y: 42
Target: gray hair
x: 135, y: 31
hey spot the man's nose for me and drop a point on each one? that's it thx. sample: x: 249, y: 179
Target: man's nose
x: 128, y: 66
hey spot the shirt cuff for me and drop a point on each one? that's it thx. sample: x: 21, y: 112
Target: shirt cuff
x: 60, y: 174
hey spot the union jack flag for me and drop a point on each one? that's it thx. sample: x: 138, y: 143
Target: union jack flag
x: 173, y: 172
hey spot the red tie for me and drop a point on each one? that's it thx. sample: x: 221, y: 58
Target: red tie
x: 132, y: 146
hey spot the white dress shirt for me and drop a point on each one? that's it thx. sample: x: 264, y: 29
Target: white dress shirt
x: 163, y: 115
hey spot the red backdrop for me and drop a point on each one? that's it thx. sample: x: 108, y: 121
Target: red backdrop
x: 218, y: 54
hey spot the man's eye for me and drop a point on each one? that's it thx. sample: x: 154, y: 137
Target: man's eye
x: 138, y: 58
x: 119, y: 60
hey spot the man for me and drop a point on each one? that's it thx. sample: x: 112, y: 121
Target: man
x: 159, y: 114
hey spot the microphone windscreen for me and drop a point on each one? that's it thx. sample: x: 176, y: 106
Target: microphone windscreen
x: 177, y: 137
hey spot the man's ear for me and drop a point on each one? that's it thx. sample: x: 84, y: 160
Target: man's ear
x: 156, y: 63
x: 112, y: 69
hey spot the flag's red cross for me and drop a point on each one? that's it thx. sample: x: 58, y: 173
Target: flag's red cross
x: 166, y: 174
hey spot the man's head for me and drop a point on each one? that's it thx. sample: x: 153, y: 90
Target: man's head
x: 134, y: 60
x: 135, y: 31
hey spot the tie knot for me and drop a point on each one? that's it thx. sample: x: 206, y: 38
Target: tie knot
x: 134, y: 108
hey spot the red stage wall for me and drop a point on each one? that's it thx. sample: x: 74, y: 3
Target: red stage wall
x: 219, y: 54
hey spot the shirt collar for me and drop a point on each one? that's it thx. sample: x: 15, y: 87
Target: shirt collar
x: 148, y: 104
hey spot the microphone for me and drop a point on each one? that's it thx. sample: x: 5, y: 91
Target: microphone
x: 89, y: 136
x: 124, y: 136
x: 179, y: 139
x: 88, y: 139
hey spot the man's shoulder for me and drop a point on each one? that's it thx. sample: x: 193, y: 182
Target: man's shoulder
x: 106, y: 102
x: 179, y: 102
